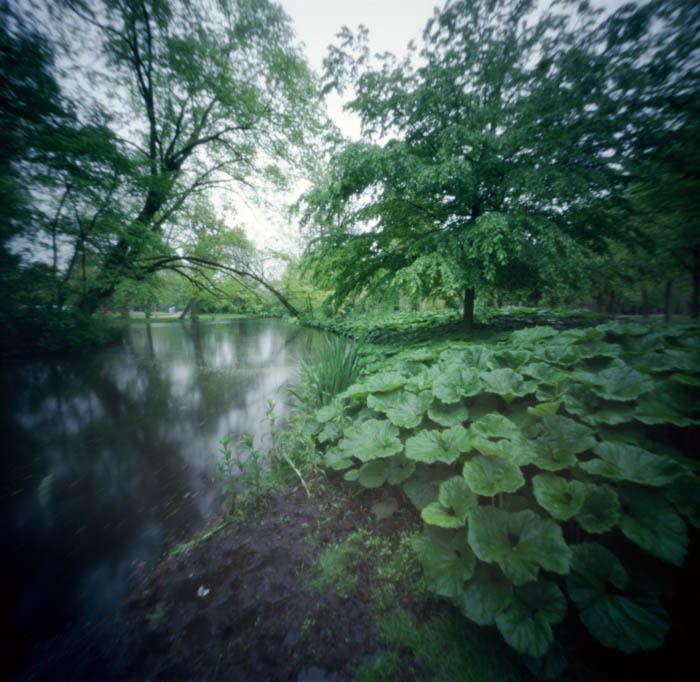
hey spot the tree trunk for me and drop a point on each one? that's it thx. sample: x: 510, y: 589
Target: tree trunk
x: 468, y: 315
x: 183, y: 314
x: 126, y: 309
x: 645, y: 303
x: 695, y: 296
x: 667, y: 302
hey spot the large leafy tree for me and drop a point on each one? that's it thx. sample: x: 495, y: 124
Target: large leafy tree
x: 203, y: 94
x: 482, y: 168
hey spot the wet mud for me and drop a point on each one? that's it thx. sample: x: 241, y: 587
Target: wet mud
x: 237, y: 607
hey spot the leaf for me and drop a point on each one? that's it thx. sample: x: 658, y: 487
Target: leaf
x: 455, y: 383
x: 621, y: 621
x: 326, y: 413
x: 562, y: 355
x: 400, y: 470
x: 373, y: 474
x: 376, y: 383
x: 507, y: 383
x: 448, y: 415
x: 550, y: 667
x: 684, y: 493
x: 431, y: 445
x: 485, y: 595
x: 517, y: 450
x: 475, y: 356
x: 545, y: 373
x: 594, y: 349
x: 561, y: 440
x: 526, y: 625
x: 423, y: 486
x: 409, y: 410
x: 623, y: 462
x: 371, y: 439
x: 561, y: 498
x: 600, y: 511
x: 491, y: 475
x: 381, y: 402
x: 494, y: 426
x: 384, y: 508
x: 649, y: 520
x: 512, y: 359
x: 531, y: 335
x: 519, y: 543
x: 455, y: 501
x: 617, y: 382
x: 447, y: 560
x: 527, y: 633
x: 337, y: 459
x: 545, y: 409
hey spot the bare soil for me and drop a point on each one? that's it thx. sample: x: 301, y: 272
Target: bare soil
x: 238, y: 606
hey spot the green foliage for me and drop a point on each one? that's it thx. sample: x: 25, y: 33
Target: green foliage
x: 524, y: 493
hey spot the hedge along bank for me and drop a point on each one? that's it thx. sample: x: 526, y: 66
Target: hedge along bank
x: 552, y: 471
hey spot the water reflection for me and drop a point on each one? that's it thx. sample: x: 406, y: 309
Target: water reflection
x: 108, y: 457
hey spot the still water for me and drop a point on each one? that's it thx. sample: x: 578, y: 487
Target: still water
x: 109, y: 458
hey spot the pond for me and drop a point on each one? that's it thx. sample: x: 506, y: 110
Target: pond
x: 110, y: 458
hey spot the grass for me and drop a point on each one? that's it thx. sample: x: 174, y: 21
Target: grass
x: 337, y: 367
x: 445, y: 647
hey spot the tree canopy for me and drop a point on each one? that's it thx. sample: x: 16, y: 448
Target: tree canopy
x: 486, y: 166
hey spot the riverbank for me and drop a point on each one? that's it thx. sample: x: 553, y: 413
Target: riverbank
x: 349, y: 581
x: 320, y: 588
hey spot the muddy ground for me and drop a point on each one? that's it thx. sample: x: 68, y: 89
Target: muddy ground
x: 238, y: 607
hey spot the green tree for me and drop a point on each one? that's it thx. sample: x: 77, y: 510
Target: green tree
x: 213, y: 94
x: 480, y: 169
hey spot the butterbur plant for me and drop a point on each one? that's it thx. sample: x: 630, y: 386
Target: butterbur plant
x: 549, y: 471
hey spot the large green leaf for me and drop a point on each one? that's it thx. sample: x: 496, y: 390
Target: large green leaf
x: 494, y: 425
x: 373, y: 474
x: 617, y: 382
x: 485, y: 595
x: 545, y: 373
x: 623, y: 462
x: 456, y: 382
x: 561, y: 440
x: 432, y: 445
x: 684, y: 493
x: 512, y: 359
x: 448, y: 415
x: 455, y: 501
x: 561, y: 498
x: 531, y: 335
x: 593, y: 349
x: 376, y: 383
x: 400, y: 470
x: 381, y: 402
x: 409, y: 411
x: 650, y: 521
x: 371, y: 439
x: 563, y: 355
x: 526, y: 624
x: 447, y: 560
x: 423, y: 486
x: 507, y: 383
x: 626, y: 622
x: 475, y: 356
x: 518, y: 450
x: 545, y: 409
x: 528, y: 633
x: 519, y: 543
x: 600, y: 511
x: 491, y: 475
x: 337, y: 459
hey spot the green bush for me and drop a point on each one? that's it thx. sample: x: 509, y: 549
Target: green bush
x: 551, y: 472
